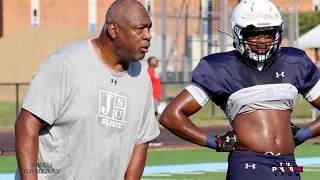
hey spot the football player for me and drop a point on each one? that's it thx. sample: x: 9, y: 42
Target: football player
x: 256, y: 85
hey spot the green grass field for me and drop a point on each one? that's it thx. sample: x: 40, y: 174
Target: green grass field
x: 7, y: 164
x: 7, y: 115
x: 201, y: 155
x: 198, y: 155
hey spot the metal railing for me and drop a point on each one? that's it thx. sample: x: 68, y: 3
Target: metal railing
x: 17, y: 100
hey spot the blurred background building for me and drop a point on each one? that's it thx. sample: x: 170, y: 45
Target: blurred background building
x: 183, y: 32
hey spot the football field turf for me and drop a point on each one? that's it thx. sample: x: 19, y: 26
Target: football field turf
x: 204, y: 155
x: 194, y: 156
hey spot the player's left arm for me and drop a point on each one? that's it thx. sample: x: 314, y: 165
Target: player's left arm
x: 315, y: 125
x: 309, y: 131
x: 137, y: 162
x: 310, y: 89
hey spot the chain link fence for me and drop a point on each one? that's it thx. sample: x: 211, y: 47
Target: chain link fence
x: 12, y: 95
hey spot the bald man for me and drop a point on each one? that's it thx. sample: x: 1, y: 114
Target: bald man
x: 89, y: 113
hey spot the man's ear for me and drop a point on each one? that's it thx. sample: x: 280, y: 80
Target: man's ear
x: 112, y: 30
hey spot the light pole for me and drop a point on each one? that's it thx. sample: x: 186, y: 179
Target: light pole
x: 296, y: 22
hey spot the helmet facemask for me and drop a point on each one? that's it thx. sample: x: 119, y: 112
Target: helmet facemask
x: 247, y: 43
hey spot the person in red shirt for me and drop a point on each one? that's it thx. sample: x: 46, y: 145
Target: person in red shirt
x: 156, y: 81
x: 157, y: 90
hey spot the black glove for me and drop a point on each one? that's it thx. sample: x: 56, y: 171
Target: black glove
x: 294, y: 130
x: 227, y: 142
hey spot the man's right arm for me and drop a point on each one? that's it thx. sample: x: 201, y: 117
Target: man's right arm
x: 27, y: 129
x: 48, y: 92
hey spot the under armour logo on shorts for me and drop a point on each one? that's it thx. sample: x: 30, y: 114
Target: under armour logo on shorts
x: 228, y: 139
x: 253, y: 166
x: 278, y: 75
x: 271, y: 153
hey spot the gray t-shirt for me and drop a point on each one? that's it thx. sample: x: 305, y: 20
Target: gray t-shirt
x: 95, y: 114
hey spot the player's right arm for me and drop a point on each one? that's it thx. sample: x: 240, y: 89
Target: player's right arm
x: 27, y: 129
x: 310, y: 89
x: 175, y: 118
x: 176, y: 115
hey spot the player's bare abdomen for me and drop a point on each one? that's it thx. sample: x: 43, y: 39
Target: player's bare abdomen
x: 264, y: 131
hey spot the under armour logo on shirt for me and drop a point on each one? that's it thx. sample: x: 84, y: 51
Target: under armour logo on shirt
x: 253, y: 166
x: 113, y: 81
x: 281, y: 74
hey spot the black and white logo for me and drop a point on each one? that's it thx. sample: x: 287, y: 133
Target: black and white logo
x: 114, y: 81
x: 278, y: 75
x: 112, y: 109
x: 247, y: 166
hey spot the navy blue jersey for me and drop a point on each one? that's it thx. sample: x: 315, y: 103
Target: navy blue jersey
x: 222, y: 74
